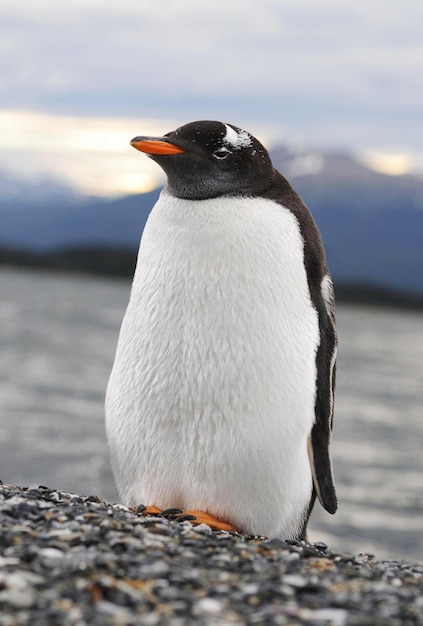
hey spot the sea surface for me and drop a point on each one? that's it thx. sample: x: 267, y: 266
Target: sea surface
x: 57, y: 340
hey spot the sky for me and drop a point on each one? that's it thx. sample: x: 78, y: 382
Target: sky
x: 79, y: 79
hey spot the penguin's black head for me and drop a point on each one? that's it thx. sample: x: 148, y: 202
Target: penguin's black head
x: 210, y: 159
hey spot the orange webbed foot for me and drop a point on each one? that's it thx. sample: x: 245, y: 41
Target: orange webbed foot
x: 179, y: 515
x: 210, y: 520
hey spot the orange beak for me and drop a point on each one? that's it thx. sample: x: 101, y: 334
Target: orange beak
x: 155, y: 146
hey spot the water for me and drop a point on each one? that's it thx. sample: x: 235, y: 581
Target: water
x: 57, y: 340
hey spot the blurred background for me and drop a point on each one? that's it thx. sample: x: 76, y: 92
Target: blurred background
x: 335, y: 92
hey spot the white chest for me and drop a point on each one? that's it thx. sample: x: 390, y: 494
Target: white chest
x: 213, y: 385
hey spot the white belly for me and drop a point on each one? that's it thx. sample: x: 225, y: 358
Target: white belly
x: 212, y: 392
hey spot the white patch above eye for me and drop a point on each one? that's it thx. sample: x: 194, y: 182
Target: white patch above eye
x: 237, y: 140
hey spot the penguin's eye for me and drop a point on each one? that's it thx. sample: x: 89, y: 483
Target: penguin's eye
x: 221, y: 153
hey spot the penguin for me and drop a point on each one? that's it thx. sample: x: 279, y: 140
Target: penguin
x: 220, y: 399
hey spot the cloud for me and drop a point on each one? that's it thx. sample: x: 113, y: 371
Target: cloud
x: 90, y: 154
x: 135, y: 54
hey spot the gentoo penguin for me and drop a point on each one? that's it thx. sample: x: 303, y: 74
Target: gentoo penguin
x: 220, y: 401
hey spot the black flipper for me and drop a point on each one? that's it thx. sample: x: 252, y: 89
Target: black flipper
x: 319, y: 440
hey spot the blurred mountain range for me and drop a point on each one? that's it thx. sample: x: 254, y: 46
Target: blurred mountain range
x: 371, y: 223
x: 43, y: 190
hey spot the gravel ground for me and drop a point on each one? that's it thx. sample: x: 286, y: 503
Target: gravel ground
x: 76, y: 560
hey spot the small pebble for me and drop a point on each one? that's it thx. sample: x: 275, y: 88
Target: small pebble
x: 157, y: 569
x: 208, y: 606
x: 332, y: 617
x: 203, y: 528
x: 19, y: 599
x: 51, y: 557
x: 294, y: 581
x: 320, y: 545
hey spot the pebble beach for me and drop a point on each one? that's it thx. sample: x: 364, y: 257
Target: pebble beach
x: 76, y: 560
